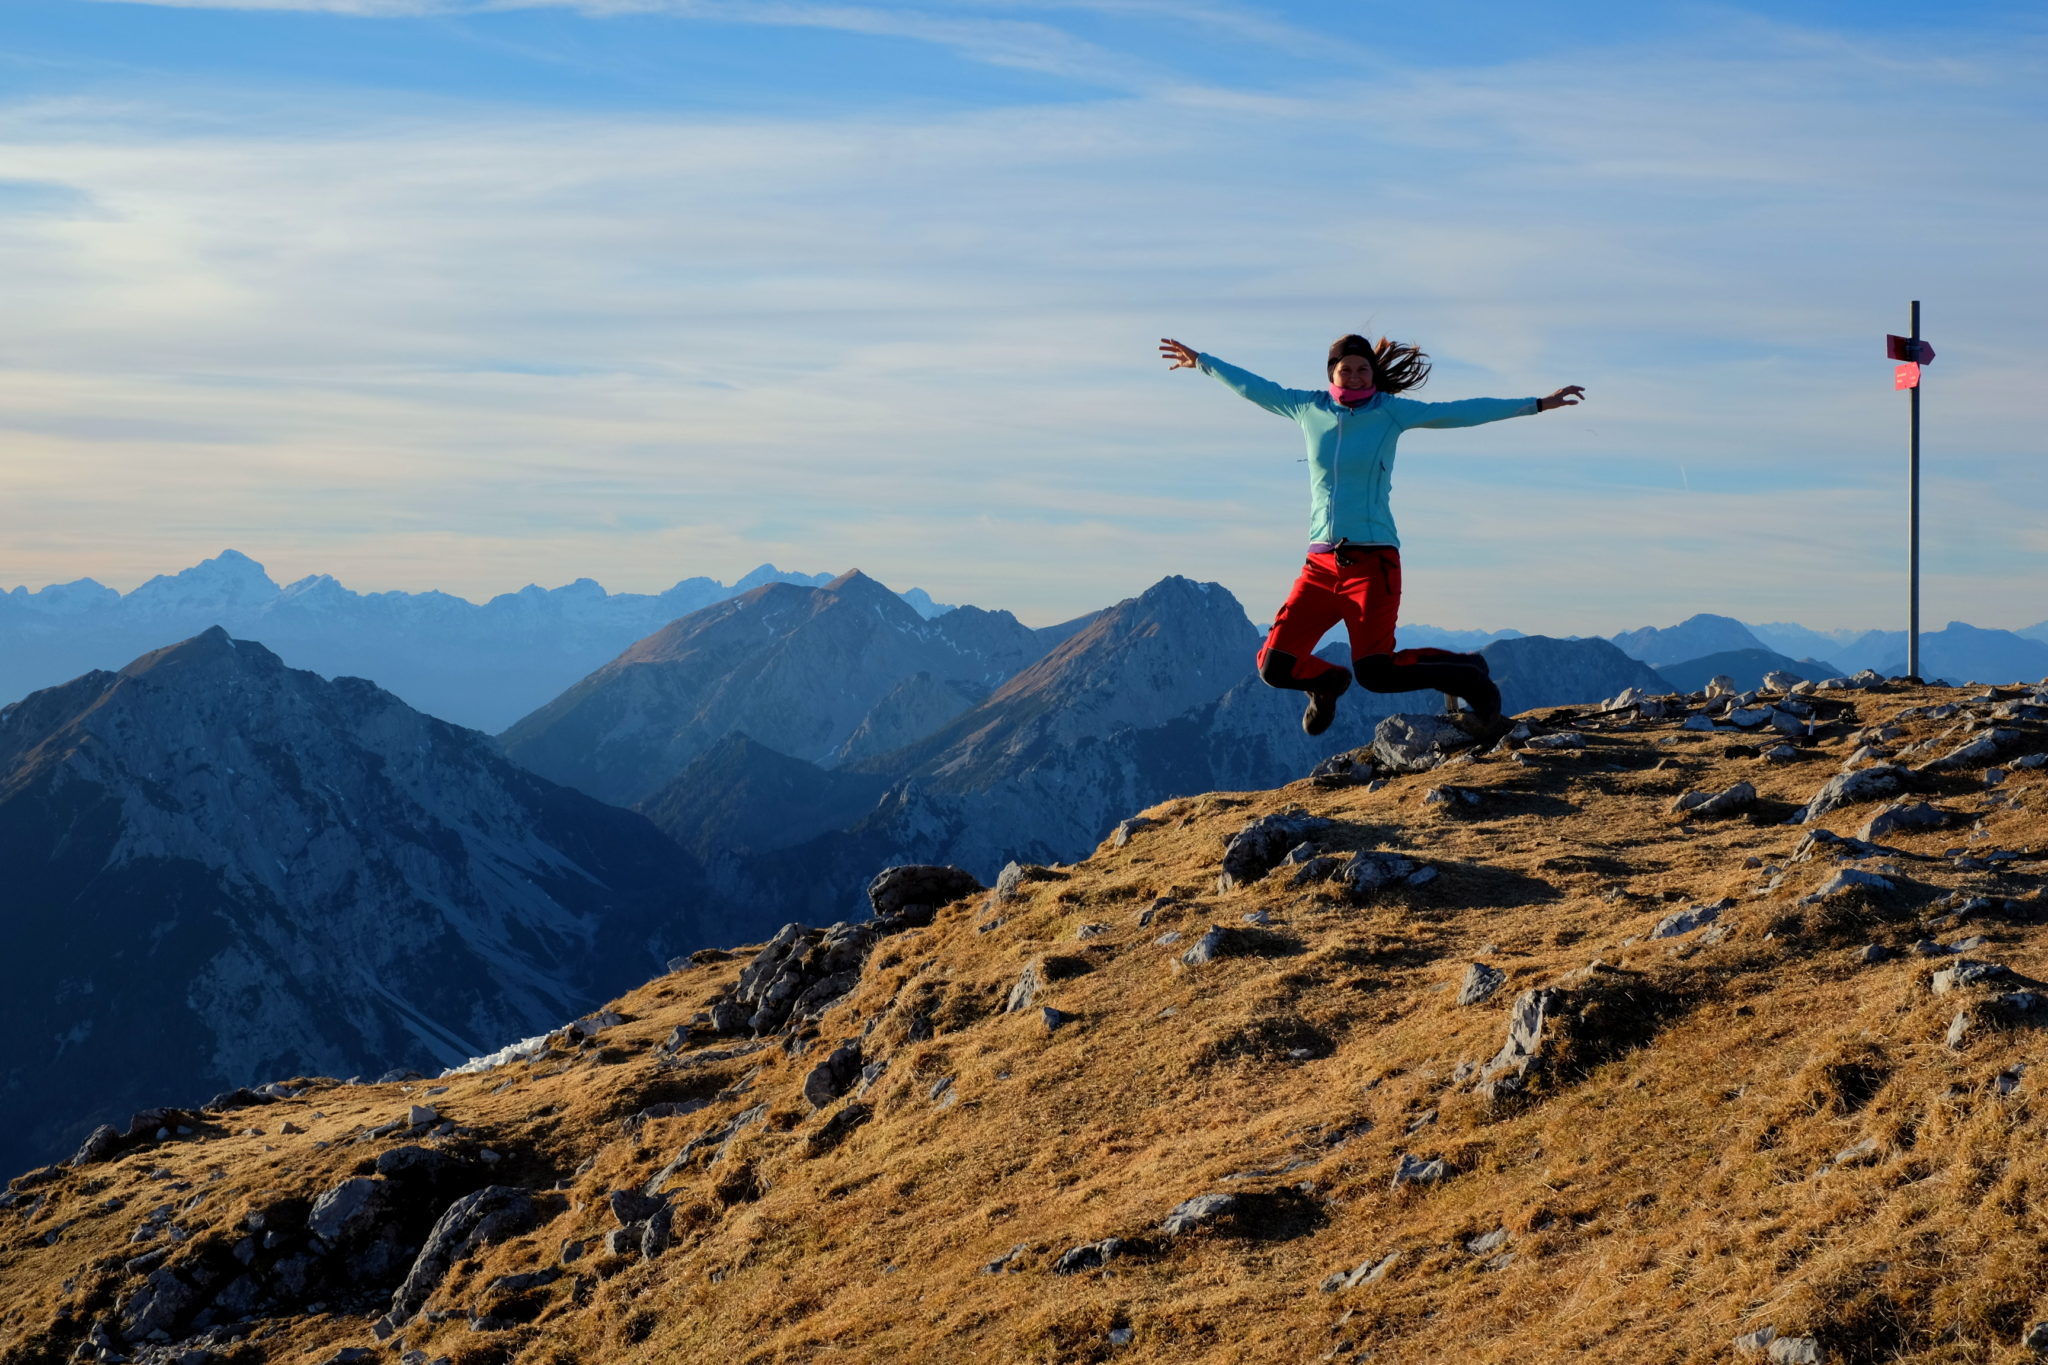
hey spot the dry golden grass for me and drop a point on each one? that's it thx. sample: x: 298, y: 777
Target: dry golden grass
x: 1663, y: 1186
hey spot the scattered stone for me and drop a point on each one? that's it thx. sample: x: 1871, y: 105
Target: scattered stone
x: 1720, y: 685
x: 419, y: 1115
x: 1417, y: 743
x: 1865, y: 784
x: 1055, y: 1018
x: 1685, y: 921
x: 1748, y: 718
x: 1199, y: 1212
x: 1562, y: 739
x: 1959, y: 1029
x: 103, y: 1143
x: 2008, y: 1080
x: 831, y: 1078
x: 1872, y: 953
x: 1757, y: 1341
x: 1488, y: 1243
x: 1088, y: 1256
x: 1367, y: 1272
x: 2036, y: 1338
x: 1864, y: 1153
x: 1121, y: 1336
x: 1456, y: 797
x: 1009, y: 1263
x: 1903, y: 815
x: 489, y: 1215
x: 833, y: 1131
x: 1781, y: 680
x: 1029, y: 982
x: 1523, y: 1050
x: 1696, y: 722
x: 1797, y: 1351
x: 1849, y: 881
x: 1260, y: 846
x: 909, y: 896
x: 1480, y: 982
x: 797, y: 974
x: 1780, y: 753
x: 1733, y: 801
x: 1124, y: 831
x: 1011, y: 880
x: 1982, y: 749
x: 1365, y: 875
x: 1414, y: 1170
x: 1216, y: 942
x: 1966, y: 972
x: 1088, y: 931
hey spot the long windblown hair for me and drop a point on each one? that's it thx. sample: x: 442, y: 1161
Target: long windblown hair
x: 1396, y: 366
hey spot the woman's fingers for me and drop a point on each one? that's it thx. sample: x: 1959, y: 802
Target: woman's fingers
x: 1181, y: 356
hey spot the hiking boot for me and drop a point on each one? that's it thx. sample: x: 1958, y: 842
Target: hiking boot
x: 1322, y: 705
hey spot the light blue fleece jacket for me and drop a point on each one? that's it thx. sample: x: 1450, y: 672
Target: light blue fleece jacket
x: 1351, y: 450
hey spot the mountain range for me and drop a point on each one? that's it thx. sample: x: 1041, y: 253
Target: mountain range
x: 481, y: 665
x: 222, y: 871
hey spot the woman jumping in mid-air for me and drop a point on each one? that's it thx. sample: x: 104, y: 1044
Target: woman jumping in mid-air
x: 1353, y: 573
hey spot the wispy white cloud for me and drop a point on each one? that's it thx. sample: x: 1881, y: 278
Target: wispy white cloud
x: 468, y: 345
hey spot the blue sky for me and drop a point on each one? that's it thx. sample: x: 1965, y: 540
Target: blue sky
x: 468, y: 295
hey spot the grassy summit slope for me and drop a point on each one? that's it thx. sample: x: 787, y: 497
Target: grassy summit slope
x: 1745, y: 1125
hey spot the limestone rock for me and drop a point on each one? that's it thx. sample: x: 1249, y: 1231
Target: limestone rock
x: 1415, y: 1170
x: 1088, y: 1256
x: 1846, y: 789
x: 1366, y: 874
x: 1965, y: 972
x: 831, y: 1078
x: 796, y: 973
x: 1903, y: 815
x: 1260, y: 846
x: 1417, y: 743
x: 908, y: 896
x: 1685, y: 921
x: 1480, y: 982
x: 489, y: 1215
x: 1201, y: 1211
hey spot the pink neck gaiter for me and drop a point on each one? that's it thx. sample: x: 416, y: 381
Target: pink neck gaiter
x: 1351, y: 398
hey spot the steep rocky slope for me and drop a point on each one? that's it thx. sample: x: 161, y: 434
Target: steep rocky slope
x: 1507, y: 1059
x: 214, y: 868
x: 796, y: 669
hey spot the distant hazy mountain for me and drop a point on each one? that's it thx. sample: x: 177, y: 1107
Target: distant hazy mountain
x: 1746, y: 666
x: 1691, y: 638
x: 796, y: 669
x: 221, y: 871
x: 2039, y: 632
x: 1964, y: 653
x: 1436, y: 637
x: 1796, y: 641
x: 1537, y: 670
x: 482, y: 666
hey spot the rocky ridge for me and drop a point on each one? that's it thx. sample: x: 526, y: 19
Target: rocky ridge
x: 1622, y: 1079
x: 217, y: 867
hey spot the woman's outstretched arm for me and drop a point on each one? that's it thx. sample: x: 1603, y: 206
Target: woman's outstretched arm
x: 1472, y: 412
x: 1274, y: 398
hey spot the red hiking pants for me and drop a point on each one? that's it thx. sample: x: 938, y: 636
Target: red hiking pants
x: 1364, y: 592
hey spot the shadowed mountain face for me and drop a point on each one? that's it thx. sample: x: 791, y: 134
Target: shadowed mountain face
x: 221, y: 871
x: 1537, y: 670
x: 798, y: 670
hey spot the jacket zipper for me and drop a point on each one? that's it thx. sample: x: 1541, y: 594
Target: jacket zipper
x: 1336, y: 464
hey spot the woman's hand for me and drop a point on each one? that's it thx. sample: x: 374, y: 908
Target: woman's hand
x: 1568, y: 396
x: 1181, y: 356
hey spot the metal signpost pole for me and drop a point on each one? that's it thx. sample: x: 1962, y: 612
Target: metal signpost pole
x: 1913, y: 517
